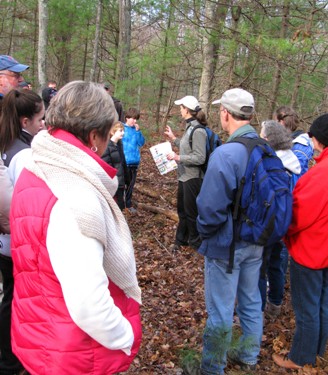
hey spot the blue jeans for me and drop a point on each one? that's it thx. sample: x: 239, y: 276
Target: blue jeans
x: 309, y: 291
x: 275, y: 263
x: 221, y: 291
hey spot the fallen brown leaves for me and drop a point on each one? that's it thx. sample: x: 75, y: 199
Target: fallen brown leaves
x: 173, y: 310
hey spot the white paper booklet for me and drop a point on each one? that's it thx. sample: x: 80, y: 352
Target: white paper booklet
x: 159, y: 153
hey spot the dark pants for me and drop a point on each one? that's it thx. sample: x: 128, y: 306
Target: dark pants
x: 119, y: 196
x: 309, y: 291
x: 187, y: 211
x: 133, y: 176
x: 9, y: 364
x: 274, y: 267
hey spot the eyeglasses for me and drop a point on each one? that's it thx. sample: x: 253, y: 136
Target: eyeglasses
x: 13, y: 75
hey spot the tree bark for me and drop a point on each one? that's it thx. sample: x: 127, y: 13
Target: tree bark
x: 124, y: 43
x: 214, y: 13
x: 278, y: 71
x: 96, y: 42
x: 42, y: 46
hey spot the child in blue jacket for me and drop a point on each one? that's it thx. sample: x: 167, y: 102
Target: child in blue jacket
x: 133, y: 140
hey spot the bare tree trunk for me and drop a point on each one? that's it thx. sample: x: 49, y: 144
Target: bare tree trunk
x: 324, y: 104
x: 278, y: 71
x: 12, y: 28
x: 214, y: 13
x: 235, y: 13
x: 34, y: 66
x: 96, y: 42
x: 163, y: 72
x: 43, y: 39
x: 85, y: 53
x: 124, y: 43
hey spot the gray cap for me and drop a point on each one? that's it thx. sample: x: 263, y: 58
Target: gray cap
x: 238, y: 101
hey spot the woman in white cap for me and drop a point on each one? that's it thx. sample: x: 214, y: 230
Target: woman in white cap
x: 191, y: 158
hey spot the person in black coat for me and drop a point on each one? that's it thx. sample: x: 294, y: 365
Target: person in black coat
x: 114, y: 156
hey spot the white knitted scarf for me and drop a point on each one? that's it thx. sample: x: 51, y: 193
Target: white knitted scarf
x: 71, y: 174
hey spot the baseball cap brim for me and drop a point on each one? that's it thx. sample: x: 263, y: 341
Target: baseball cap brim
x: 179, y: 102
x: 18, y: 68
x: 217, y: 101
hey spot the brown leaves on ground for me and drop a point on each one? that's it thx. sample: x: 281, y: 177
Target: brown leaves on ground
x: 173, y: 309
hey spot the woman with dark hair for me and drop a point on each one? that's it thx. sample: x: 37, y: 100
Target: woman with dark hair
x: 306, y: 240
x: 190, y: 174
x: 76, y: 299
x: 20, y: 120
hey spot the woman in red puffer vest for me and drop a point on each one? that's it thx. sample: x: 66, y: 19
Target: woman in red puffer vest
x: 76, y: 298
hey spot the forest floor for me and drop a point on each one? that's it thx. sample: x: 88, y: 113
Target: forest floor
x: 173, y: 309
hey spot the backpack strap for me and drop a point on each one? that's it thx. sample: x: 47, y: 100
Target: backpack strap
x: 199, y: 126
x: 250, y: 144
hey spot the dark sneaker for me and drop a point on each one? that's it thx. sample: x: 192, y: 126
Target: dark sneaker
x: 234, y: 360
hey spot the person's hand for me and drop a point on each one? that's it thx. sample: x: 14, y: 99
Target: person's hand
x: 168, y: 132
x: 173, y: 156
x: 136, y: 126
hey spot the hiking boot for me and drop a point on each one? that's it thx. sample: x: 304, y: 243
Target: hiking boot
x: 234, y: 360
x: 272, y: 310
x: 285, y: 362
x: 132, y: 210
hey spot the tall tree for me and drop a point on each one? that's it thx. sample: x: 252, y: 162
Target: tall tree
x: 124, y: 43
x: 96, y: 42
x: 43, y: 41
x: 215, y: 15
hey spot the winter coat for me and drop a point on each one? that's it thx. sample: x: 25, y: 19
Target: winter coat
x: 133, y: 140
x: 114, y: 156
x: 303, y: 149
x: 227, y: 165
x: 307, y: 236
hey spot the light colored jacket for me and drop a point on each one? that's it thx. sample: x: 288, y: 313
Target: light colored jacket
x: 6, y: 190
x: 191, y: 158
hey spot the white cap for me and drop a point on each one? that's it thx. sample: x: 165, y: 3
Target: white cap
x: 238, y: 101
x: 189, y: 102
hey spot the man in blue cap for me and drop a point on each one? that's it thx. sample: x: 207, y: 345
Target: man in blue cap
x: 10, y: 74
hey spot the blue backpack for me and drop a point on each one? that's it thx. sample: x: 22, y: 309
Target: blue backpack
x: 262, y: 209
x: 212, y: 142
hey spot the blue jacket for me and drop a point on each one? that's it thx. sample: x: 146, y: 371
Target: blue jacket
x: 132, y: 141
x: 227, y: 165
x: 303, y: 149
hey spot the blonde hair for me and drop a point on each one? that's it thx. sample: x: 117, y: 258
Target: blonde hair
x: 116, y: 126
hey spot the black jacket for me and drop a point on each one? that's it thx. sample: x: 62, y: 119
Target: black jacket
x: 24, y: 141
x: 114, y: 156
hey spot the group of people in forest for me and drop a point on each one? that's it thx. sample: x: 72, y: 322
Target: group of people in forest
x: 205, y: 208
x: 71, y: 296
